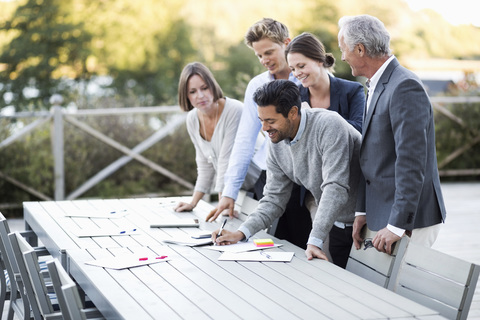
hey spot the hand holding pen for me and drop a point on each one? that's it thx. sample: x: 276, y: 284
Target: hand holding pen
x: 221, y: 229
x: 228, y: 237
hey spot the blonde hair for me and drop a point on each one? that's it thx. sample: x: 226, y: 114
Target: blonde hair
x: 266, y: 28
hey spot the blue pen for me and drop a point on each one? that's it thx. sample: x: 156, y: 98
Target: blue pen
x: 113, y: 212
x: 122, y: 232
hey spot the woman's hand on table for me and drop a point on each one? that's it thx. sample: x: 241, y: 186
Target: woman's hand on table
x: 183, y: 206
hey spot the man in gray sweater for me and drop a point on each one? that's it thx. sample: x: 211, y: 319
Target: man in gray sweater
x: 315, y: 148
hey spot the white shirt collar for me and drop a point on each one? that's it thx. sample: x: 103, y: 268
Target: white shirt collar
x: 373, y: 81
x: 376, y: 77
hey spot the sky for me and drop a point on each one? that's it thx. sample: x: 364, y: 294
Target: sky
x: 456, y: 12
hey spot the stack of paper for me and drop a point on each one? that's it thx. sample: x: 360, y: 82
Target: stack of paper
x: 263, y: 242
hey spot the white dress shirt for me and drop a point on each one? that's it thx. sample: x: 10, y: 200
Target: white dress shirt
x: 246, y: 139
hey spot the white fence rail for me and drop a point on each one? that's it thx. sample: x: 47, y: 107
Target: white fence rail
x: 58, y: 116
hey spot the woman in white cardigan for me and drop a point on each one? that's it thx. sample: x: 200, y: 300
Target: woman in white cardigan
x: 212, y: 124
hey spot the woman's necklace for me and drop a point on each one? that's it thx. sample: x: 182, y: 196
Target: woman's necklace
x: 214, y: 125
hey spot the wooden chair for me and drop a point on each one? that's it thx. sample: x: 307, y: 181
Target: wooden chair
x: 376, y: 266
x: 39, y: 297
x: 245, y: 205
x: 438, y: 281
x: 68, y: 295
x: 18, y: 300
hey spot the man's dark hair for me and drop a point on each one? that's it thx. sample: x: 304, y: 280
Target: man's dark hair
x: 283, y: 94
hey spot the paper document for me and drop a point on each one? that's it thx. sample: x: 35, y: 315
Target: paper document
x: 103, y: 214
x: 106, y: 232
x: 175, y: 223
x: 266, y: 256
x: 127, y: 261
x: 240, y: 247
x: 188, y: 240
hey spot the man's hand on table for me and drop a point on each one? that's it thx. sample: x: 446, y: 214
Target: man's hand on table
x: 315, y: 252
x: 226, y: 205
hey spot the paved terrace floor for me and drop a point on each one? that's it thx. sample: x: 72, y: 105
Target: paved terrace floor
x: 459, y: 237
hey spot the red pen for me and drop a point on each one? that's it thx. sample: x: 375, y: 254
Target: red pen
x: 162, y: 257
x: 143, y: 259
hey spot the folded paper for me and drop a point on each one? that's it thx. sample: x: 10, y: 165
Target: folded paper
x: 188, y: 240
x: 257, y: 256
x: 101, y: 214
x: 127, y: 261
x: 175, y: 223
x: 105, y: 232
x: 239, y: 247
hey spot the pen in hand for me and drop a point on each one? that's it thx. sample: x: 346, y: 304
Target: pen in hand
x: 221, y: 228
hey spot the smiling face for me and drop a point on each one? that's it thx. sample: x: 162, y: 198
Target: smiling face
x: 276, y: 125
x: 307, y: 70
x: 353, y: 58
x: 271, y: 56
x: 199, y: 93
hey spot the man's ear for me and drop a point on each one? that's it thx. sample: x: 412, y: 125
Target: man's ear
x: 360, y: 49
x: 293, y: 113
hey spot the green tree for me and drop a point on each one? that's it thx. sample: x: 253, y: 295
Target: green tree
x: 47, y: 44
x: 236, y: 69
x: 143, y: 45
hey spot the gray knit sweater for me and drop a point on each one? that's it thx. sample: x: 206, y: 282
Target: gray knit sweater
x: 325, y: 161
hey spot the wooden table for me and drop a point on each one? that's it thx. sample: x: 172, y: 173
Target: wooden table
x: 194, y: 284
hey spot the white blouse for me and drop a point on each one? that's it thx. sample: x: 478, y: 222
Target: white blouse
x: 212, y: 156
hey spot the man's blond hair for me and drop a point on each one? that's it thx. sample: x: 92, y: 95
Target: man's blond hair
x: 266, y: 28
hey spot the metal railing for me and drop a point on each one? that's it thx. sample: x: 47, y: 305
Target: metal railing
x: 58, y: 116
x: 439, y: 106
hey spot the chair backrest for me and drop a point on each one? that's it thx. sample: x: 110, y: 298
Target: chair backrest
x: 249, y: 205
x: 438, y: 281
x: 245, y: 204
x: 27, y: 261
x: 376, y: 266
x: 68, y: 295
x: 71, y: 303
x: 57, y: 282
x: 18, y: 299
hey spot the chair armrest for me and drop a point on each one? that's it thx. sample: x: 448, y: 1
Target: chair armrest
x: 41, y: 251
x: 27, y: 233
x: 92, y: 313
x: 54, y: 316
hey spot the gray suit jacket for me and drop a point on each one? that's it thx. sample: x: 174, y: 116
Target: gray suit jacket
x: 398, y: 156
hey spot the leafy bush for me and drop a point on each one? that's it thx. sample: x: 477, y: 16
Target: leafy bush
x: 30, y: 160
